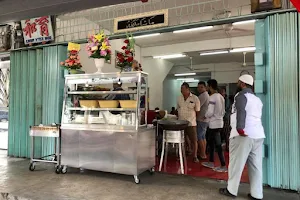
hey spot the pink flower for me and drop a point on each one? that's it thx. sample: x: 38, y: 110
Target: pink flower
x: 62, y: 63
x: 103, y: 53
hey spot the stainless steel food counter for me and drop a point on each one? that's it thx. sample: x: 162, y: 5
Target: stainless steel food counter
x: 117, y: 151
x: 110, y: 139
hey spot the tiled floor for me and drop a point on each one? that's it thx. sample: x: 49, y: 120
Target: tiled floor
x: 44, y: 184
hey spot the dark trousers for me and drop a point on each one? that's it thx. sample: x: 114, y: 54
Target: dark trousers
x: 214, y: 141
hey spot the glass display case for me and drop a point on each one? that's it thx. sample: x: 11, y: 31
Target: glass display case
x: 105, y: 101
x: 103, y: 123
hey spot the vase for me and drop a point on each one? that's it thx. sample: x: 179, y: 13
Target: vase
x: 99, y: 62
x: 76, y: 71
x: 127, y: 69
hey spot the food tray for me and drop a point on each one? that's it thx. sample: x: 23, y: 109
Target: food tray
x: 128, y: 103
x: 108, y: 103
x: 89, y: 104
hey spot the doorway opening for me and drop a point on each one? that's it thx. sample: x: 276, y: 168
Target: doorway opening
x: 4, y: 100
x: 221, y: 52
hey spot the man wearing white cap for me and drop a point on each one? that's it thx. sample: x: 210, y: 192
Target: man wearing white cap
x: 246, y: 140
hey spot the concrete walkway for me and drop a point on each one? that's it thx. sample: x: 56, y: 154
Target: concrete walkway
x: 44, y: 184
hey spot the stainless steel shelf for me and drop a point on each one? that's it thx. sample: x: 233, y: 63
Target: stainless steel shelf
x: 98, y: 127
x: 104, y: 109
x: 102, y: 92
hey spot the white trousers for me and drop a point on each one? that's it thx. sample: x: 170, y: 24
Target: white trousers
x: 244, y: 150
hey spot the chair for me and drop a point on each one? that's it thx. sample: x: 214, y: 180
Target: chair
x: 176, y: 138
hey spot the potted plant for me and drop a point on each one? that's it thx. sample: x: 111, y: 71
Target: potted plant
x: 99, y: 48
x: 72, y: 63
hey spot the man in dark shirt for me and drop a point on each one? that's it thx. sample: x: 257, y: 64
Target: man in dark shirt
x: 118, y: 87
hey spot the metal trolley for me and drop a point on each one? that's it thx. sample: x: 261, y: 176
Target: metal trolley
x: 46, y: 131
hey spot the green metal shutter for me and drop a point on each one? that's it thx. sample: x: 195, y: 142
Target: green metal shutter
x: 36, y: 89
x: 282, y: 100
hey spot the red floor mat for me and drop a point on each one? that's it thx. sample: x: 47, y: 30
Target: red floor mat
x: 196, y: 169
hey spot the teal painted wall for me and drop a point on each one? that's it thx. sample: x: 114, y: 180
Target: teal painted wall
x: 36, y: 89
x: 277, y: 37
x: 260, y: 75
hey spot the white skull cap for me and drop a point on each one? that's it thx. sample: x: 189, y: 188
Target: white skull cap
x: 246, y: 78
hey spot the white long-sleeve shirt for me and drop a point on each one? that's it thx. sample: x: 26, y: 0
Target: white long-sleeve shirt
x: 246, y: 115
x: 216, y: 111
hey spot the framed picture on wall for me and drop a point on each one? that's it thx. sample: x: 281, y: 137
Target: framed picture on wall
x: 264, y: 5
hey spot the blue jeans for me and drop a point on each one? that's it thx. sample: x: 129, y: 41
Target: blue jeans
x: 201, y: 130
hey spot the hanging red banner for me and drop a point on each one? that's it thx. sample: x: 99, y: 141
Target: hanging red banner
x: 296, y: 3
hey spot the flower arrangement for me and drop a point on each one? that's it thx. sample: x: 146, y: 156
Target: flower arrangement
x: 126, y: 58
x: 136, y: 66
x: 98, y: 46
x: 73, y: 62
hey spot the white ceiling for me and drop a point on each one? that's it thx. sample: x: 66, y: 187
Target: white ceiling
x: 213, y: 59
x: 218, y: 32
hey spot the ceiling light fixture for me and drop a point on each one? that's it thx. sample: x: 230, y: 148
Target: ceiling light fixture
x: 192, y: 81
x: 170, y: 56
x: 213, y: 53
x: 193, y: 29
x: 245, y: 49
x: 185, y: 74
x: 149, y: 35
x: 244, y: 22
x: 185, y: 79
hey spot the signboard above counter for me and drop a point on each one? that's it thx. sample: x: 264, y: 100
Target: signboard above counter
x: 37, y: 30
x: 148, y: 20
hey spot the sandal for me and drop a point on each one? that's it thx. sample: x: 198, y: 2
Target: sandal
x: 201, y: 158
x: 225, y: 192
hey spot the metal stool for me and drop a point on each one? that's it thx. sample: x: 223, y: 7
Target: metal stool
x: 173, y: 137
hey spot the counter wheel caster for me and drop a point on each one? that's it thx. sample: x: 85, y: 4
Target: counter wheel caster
x: 136, y: 180
x: 64, y: 169
x: 32, y: 167
x: 58, y: 169
x: 152, y: 171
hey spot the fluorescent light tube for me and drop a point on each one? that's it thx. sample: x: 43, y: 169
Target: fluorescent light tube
x: 193, y: 29
x: 169, y: 56
x: 213, y: 53
x: 149, y: 35
x: 185, y: 74
x: 185, y: 79
x: 244, y: 22
x: 245, y: 49
x: 192, y: 81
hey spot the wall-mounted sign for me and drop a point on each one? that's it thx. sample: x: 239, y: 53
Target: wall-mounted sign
x: 264, y: 5
x: 37, y: 30
x: 141, y: 21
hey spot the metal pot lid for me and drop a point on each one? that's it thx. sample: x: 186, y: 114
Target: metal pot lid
x: 173, y: 122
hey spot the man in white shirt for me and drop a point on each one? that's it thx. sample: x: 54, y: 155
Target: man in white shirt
x: 246, y: 141
x: 215, y: 114
x: 202, y: 123
x: 188, y: 106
